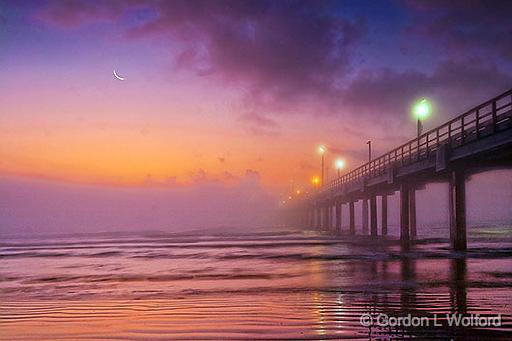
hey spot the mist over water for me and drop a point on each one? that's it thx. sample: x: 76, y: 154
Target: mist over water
x: 36, y: 207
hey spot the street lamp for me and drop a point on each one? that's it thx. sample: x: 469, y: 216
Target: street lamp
x: 315, y: 181
x: 340, y: 164
x: 369, y: 143
x: 422, y: 110
x: 322, y: 149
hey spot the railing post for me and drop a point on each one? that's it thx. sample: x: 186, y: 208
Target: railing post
x: 477, y: 123
x: 418, y: 148
x: 462, y: 134
x: 494, y: 117
x: 450, y: 134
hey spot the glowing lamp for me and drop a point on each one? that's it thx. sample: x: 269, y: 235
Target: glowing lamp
x: 340, y: 164
x: 422, y: 109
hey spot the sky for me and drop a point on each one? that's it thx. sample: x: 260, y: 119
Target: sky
x: 224, y: 102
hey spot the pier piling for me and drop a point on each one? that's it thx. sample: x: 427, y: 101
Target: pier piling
x: 412, y: 212
x: 365, y: 216
x: 404, y: 212
x: 352, y: 226
x: 458, y: 211
x: 373, y: 216
x: 338, y: 216
x: 384, y: 213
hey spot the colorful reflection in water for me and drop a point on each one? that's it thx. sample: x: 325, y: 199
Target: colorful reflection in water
x: 270, y: 284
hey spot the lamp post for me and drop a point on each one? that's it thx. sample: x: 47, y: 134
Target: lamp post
x: 421, y: 110
x: 369, y: 143
x: 340, y: 164
x: 322, y: 149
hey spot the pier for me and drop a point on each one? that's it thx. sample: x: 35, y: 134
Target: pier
x: 473, y: 142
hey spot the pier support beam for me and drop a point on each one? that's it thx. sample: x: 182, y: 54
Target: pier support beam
x: 324, y: 217
x: 373, y: 216
x: 412, y: 212
x: 365, y: 216
x: 318, y: 217
x: 458, y: 210
x: 329, y: 216
x: 404, y: 213
x: 384, y: 213
x: 338, y: 216
x: 352, y: 223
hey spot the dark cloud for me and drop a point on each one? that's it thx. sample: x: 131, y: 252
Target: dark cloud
x: 73, y: 13
x: 465, y: 26
x: 386, y: 93
x: 279, y: 51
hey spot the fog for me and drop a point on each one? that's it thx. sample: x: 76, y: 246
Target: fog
x: 30, y: 206
x: 38, y: 207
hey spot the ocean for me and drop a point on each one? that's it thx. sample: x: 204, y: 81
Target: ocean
x: 270, y: 283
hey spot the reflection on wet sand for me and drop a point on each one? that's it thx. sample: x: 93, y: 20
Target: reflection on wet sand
x: 458, y: 294
x: 285, y: 286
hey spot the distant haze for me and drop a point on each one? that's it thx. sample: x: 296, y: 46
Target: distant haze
x: 35, y: 206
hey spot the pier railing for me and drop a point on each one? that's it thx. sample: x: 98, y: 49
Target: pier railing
x: 481, y: 121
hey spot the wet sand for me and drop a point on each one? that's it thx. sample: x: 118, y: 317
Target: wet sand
x: 268, y: 284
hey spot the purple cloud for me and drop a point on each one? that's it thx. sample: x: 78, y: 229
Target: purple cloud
x: 386, y: 93
x: 280, y: 51
x: 73, y: 13
x: 470, y: 27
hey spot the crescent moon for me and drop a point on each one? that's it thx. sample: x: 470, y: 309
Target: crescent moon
x: 117, y: 76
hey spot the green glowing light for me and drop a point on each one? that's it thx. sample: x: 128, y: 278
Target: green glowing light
x: 422, y: 109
